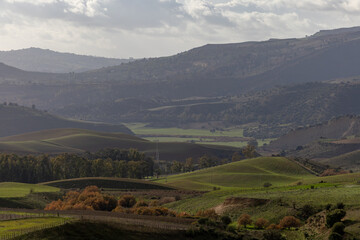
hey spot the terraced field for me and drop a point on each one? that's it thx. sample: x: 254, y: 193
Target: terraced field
x: 252, y: 173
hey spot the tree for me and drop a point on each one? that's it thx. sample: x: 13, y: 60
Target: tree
x: 127, y: 201
x: 226, y: 220
x: 236, y: 157
x: 273, y: 235
x: 261, y: 223
x: 289, y: 221
x: 334, y: 217
x: 249, y: 151
x: 189, y: 164
x: 244, y: 219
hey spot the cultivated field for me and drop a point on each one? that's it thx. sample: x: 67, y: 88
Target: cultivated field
x: 233, y: 137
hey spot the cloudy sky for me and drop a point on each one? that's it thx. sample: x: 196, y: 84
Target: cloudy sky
x: 151, y: 28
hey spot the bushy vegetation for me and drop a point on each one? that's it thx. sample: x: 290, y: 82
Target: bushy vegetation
x: 106, y: 163
x: 89, y: 199
x: 334, y: 216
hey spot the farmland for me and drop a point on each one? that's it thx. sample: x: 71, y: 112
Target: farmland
x: 233, y: 136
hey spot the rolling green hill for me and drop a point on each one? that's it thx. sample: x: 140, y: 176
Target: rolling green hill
x: 79, y: 140
x: 251, y: 173
x: 107, y: 183
x: 18, y: 120
x: 16, y: 190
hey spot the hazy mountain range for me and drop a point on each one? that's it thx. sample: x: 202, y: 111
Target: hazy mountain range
x: 45, y: 60
x: 262, y: 83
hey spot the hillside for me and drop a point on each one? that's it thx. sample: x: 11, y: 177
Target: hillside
x: 336, y: 128
x: 79, y: 140
x: 251, y: 173
x: 348, y: 161
x: 44, y: 60
x: 107, y: 183
x: 18, y: 120
x: 218, y: 74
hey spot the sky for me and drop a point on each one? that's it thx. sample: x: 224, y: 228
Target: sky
x: 153, y: 28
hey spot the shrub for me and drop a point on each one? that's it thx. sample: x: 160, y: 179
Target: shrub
x: 231, y: 228
x: 289, y: 221
x: 334, y: 217
x: 141, y: 203
x: 154, y: 203
x: 273, y: 235
x: 127, y: 201
x: 244, y: 219
x: 203, y: 221
x: 306, y: 211
x: 226, y: 220
x: 209, y: 213
x: 166, y: 200
x: 335, y: 236
x: 340, y: 205
x: 328, y: 206
x: 267, y: 184
x: 339, y: 228
x: 273, y: 226
x: 261, y: 223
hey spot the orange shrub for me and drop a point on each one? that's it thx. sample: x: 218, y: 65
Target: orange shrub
x: 89, y: 199
x: 261, y: 223
x: 289, y: 221
x: 244, y: 219
x: 273, y: 226
x: 209, y: 213
x: 127, y: 201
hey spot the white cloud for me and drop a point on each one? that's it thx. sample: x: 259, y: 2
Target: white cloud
x: 122, y: 28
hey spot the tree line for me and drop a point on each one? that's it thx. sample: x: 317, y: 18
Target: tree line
x: 105, y: 163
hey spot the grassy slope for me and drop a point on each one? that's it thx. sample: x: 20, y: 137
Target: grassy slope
x: 18, y: 120
x: 15, y: 226
x: 16, y: 190
x: 79, y: 140
x: 96, y: 231
x: 108, y: 183
x: 349, y: 160
x: 251, y: 173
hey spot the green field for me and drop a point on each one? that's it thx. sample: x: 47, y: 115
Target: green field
x: 141, y: 129
x: 251, y: 173
x: 199, y: 136
x: 108, y: 183
x: 18, y: 190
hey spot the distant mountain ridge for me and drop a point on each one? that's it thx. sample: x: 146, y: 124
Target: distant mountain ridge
x: 234, y: 80
x: 44, y: 60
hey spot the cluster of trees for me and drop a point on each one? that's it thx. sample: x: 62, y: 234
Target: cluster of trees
x: 106, y: 163
x: 207, y: 161
x: 91, y: 198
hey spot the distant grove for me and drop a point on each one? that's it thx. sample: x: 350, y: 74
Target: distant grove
x: 105, y: 163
